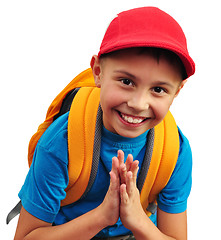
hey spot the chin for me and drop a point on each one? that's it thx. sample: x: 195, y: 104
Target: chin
x: 130, y: 134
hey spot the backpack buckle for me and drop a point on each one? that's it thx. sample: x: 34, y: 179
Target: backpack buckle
x: 152, y: 208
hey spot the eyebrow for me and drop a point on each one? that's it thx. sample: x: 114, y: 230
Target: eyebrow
x: 160, y: 83
x: 126, y: 73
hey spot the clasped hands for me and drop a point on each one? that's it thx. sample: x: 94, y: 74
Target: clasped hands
x: 123, y: 198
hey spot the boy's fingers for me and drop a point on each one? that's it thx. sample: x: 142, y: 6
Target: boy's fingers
x: 114, y: 174
x: 129, y: 183
x: 134, y: 169
x: 130, y: 165
x: 115, y: 167
x: 123, y: 194
x: 115, y: 164
x: 123, y: 173
x: 113, y: 181
x: 120, y: 156
x: 129, y: 161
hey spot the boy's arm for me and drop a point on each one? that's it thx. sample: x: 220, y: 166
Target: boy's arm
x: 84, y: 227
x: 172, y: 226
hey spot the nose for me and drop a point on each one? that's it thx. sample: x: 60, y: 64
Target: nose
x: 139, y: 101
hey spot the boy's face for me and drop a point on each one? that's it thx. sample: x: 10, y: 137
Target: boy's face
x: 136, y: 91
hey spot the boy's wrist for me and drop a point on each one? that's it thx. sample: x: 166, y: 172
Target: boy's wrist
x: 139, y: 224
x: 106, y: 217
x: 140, y: 229
x: 145, y: 229
x: 102, y: 220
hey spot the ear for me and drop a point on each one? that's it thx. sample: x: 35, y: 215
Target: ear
x: 96, y: 69
x: 180, y: 87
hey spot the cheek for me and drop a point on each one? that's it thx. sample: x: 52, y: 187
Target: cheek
x: 110, y: 99
x: 106, y: 103
x: 160, y: 110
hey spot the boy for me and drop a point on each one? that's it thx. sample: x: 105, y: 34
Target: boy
x: 142, y: 65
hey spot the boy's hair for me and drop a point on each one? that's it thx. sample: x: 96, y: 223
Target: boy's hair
x: 156, y: 53
x: 147, y: 27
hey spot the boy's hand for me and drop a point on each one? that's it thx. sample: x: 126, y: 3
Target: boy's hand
x: 131, y: 211
x: 123, y: 198
x: 111, y: 204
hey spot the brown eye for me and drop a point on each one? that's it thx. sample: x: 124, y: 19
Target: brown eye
x: 126, y: 81
x: 158, y: 90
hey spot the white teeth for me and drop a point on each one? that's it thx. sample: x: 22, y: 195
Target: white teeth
x: 131, y: 119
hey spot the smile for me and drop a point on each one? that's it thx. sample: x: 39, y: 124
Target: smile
x: 132, y: 119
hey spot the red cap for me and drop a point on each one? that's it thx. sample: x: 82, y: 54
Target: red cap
x: 147, y: 27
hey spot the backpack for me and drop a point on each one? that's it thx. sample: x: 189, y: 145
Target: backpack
x: 81, y: 97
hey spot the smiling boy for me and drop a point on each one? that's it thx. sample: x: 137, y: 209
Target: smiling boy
x: 136, y: 89
x: 142, y: 65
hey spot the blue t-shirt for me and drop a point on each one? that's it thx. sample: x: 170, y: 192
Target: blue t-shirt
x: 47, y: 178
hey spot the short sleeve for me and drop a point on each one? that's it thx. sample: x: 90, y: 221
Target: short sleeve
x: 173, y: 198
x: 47, y: 178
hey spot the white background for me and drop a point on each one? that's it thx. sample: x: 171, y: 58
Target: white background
x: 45, y: 43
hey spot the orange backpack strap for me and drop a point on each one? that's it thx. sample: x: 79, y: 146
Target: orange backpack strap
x: 83, y: 79
x: 164, y: 157
x: 81, y: 142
